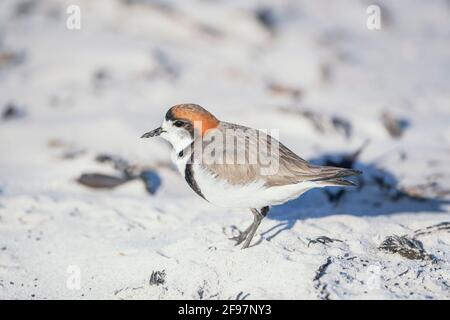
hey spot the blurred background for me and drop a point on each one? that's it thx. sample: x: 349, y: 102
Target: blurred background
x: 314, y: 70
x: 74, y: 103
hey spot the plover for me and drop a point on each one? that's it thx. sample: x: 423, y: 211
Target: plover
x: 234, y: 166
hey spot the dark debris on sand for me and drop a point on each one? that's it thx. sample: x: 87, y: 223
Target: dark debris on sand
x: 443, y: 226
x: 394, y: 126
x: 411, y: 247
x: 322, y: 123
x: 267, y: 18
x: 406, y: 246
x: 12, y: 111
x: 323, y: 240
x: 100, y: 180
x: 157, y: 278
x: 318, y: 285
x: 125, y: 172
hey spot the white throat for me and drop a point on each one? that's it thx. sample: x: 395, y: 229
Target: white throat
x: 179, y: 139
x: 179, y: 145
x: 180, y: 156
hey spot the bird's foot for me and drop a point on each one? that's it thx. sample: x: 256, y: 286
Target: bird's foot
x: 240, y: 238
x: 323, y: 240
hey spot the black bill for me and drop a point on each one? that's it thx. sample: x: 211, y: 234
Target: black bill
x: 153, y: 133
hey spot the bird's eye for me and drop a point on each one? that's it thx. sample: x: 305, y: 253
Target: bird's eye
x: 178, y: 123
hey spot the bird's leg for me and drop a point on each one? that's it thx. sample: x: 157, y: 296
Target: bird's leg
x: 257, y: 218
x: 241, y: 237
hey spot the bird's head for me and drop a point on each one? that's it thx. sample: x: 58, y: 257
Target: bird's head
x: 183, y: 122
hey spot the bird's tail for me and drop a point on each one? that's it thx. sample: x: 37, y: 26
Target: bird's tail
x: 337, y: 182
x: 334, y: 178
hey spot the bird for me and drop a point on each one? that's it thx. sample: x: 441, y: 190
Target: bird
x: 238, y: 167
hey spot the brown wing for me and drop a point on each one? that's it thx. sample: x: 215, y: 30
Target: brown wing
x: 251, y: 155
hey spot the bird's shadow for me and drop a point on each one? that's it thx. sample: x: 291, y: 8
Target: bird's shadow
x: 378, y: 193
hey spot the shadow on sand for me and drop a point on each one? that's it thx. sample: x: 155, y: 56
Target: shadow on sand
x: 378, y: 193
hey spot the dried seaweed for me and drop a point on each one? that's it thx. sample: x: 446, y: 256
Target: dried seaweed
x: 407, y: 247
x: 443, y: 226
x: 323, y: 240
x: 242, y: 296
x: 157, y: 278
x: 322, y: 287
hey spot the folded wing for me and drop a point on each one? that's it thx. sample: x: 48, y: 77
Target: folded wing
x: 273, y: 164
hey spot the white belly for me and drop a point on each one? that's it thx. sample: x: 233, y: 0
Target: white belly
x: 254, y: 195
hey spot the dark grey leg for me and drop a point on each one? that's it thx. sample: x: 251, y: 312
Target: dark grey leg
x: 257, y: 218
